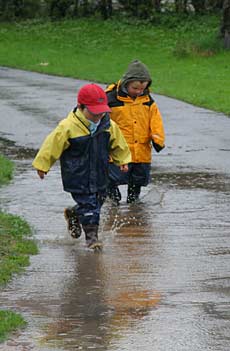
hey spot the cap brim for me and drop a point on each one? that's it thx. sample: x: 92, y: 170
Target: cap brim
x: 98, y: 109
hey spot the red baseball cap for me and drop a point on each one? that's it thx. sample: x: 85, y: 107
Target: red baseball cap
x: 94, y: 98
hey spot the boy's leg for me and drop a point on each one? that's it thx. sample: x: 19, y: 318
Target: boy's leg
x: 139, y: 176
x: 116, y: 177
x: 88, y: 211
x: 91, y: 236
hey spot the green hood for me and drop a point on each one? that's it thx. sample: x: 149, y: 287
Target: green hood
x: 136, y: 71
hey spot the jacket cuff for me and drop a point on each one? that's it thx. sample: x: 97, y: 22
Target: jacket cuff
x: 157, y: 147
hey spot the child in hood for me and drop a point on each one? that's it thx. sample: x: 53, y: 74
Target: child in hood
x: 137, y: 115
x: 84, y: 143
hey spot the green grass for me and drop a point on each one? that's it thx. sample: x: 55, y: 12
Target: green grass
x: 185, y: 58
x: 15, y: 248
x: 9, y: 321
x: 6, y: 170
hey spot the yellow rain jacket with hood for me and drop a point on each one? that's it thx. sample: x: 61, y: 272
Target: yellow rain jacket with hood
x: 139, y: 119
x: 84, y: 155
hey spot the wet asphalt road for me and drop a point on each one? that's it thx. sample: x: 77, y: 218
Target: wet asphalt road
x: 162, y: 281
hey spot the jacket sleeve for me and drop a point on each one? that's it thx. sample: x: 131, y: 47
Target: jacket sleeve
x: 52, y: 148
x: 157, y: 128
x: 119, y: 150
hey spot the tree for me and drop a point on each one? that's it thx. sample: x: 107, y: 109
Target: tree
x: 58, y: 8
x: 199, y: 5
x: 181, y: 5
x: 106, y: 8
x: 225, y: 26
x: 75, y: 8
x: 16, y: 9
x: 157, y: 5
x: 138, y: 8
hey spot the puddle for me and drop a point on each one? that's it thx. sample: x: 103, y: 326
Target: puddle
x: 154, y: 267
x: 194, y: 180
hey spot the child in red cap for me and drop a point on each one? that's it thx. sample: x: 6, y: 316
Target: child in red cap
x: 84, y: 143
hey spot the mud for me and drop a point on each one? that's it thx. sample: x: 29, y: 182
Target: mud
x: 162, y: 280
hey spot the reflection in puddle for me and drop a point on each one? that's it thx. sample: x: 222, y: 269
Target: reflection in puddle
x: 97, y: 332
x: 193, y: 180
x: 219, y: 251
x: 134, y: 303
x: 55, y: 332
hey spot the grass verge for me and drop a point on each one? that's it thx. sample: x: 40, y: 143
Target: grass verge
x: 15, y: 248
x: 9, y: 321
x: 184, y: 56
x: 6, y: 170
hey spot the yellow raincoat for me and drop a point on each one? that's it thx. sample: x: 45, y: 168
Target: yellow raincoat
x: 84, y: 156
x: 139, y: 120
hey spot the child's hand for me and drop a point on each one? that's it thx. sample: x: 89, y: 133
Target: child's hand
x: 124, y: 168
x: 41, y: 174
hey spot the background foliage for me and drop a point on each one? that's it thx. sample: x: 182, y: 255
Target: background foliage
x: 148, y: 10
x: 190, y: 65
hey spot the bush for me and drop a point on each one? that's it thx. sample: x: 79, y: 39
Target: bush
x: 15, y: 9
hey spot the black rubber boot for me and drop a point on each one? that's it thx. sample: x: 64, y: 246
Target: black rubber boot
x: 114, y: 194
x: 91, y: 236
x: 133, y: 193
x: 73, y: 224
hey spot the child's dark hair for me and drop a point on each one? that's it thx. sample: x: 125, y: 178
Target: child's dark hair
x: 81, y: 106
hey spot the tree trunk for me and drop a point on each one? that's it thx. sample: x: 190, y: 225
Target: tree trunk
x: 157, y: 5
x: 76, y: 8
x: 181, y: 6
x: 106, y: 8
x: 225, y: 27
x: 85, y: 8
x: 199, y: 6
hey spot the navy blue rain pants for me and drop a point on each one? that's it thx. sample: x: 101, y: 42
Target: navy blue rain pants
x: 88, y: 207
x: 138, y: 174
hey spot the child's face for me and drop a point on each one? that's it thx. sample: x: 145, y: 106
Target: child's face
x: 90, y: 116
x: 136, y: 88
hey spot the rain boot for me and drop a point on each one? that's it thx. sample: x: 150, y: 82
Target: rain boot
x: 114, y: 194
x: 73, y: 224
x: 91, y: 236
x: 133, y: 193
